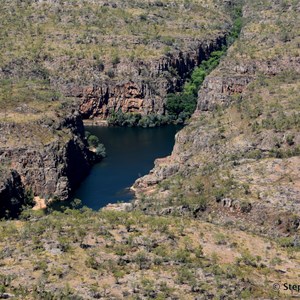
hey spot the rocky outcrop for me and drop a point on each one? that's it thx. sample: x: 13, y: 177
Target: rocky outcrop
x: 163, y: 168
x: 12, y: 195
x: 56, y: 168
x: 218, y: 91
x: 148, y: 83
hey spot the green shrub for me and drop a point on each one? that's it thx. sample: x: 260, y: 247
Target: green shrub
x: 141, y: 260
x: 92, y: 263
x: 254, y: 154
x: 182, y: 256
x: 29, y: 198
x: 180, y: 106
x: 87, y: 134
x: 93, y: 141
x: 64, y: 244
x: 110, y: 73
x: 115, y: 60
x: 290, y: 140
x: 100, y: 150
x: 185, y: 275
x: 135, y: 119
x: 286, y: 242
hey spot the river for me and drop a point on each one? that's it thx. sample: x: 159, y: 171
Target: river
x: 131, y: 152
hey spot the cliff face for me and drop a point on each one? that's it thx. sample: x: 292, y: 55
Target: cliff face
x: 12, y: 195
x: 52, y: 169
x: 237, y: 161
x: 144, y: 90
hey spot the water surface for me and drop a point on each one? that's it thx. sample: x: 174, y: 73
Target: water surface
x: 130, y: 154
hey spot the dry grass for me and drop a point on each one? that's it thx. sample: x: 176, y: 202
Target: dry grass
x: 57, y: 257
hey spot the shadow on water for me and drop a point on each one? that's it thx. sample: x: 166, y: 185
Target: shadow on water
x: 130, y: 154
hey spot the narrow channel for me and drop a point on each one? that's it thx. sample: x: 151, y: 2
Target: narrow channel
x: 131, y: 152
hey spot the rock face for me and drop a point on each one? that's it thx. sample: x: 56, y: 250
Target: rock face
x: 12, y: 195
x: 149, y: 83
x: 56, y: 168
x: 217, y: 91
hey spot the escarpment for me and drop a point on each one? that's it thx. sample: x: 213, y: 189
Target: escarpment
x: 237, y: 161
x: 147, y: 83
x: 50, y: 156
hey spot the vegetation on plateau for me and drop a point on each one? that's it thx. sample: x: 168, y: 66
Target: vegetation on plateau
x: 81, y: 254
x: 82, y: 41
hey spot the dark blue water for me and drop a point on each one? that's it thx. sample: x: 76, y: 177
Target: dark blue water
x: 130, y: 154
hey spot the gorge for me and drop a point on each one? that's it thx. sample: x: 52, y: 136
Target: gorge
x: 46, y: 86
x: 217, y: 216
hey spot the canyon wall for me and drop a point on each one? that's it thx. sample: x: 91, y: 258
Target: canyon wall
x: 96, y: 56
x: 144, y: 90
x: 53, y: 169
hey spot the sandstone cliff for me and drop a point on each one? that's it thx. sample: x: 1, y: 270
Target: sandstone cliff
x: 124, y: 55
x: 50, y: 155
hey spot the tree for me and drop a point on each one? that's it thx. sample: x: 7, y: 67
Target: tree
x: 181, y: 105
x: 93, y: 141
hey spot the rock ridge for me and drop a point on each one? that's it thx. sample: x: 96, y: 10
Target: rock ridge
x: 242, y: 142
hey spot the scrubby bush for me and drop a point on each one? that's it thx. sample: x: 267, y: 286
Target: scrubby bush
x: 110, y: 73
x: 135, y: 119
x: 93, y: 141
x: 29, y: 198
x: 115, y: 60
